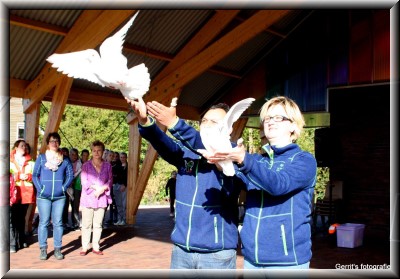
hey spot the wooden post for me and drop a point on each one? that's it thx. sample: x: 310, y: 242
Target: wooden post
x: 134, y: 147
x: 32, y: 128
x: 58, y: 103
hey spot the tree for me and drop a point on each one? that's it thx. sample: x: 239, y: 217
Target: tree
x: 306, y: 142
x: 80, y: 126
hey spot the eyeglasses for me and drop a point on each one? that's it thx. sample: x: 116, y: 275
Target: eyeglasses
x: 54, y: 141
x: 276, y: 118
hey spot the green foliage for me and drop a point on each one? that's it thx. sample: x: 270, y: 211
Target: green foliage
x: 251, y: 139
x: 306, y: 142
x: 155, y: 189
x: 80, y: 126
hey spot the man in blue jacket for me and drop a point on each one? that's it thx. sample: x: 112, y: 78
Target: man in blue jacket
x: 205, y: 233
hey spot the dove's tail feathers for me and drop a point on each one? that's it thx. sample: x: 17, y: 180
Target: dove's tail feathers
x: 140, y: 74
x: 139, y: 82
x: 227, y: 168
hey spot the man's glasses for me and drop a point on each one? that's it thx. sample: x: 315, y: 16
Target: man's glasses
x: 54, y: 141
x: 276, y: 118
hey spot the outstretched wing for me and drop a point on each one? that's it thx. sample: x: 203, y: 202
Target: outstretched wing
x: 111, y: 48
x: 79, y: 64
x: 235, y: 112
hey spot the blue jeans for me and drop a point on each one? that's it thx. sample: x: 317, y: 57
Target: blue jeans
x: 54, y: 209
x: 182, y: 259
x: 248, y: 265
x: 120, y: 202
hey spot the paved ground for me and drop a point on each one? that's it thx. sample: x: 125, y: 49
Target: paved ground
x: 146, y: 246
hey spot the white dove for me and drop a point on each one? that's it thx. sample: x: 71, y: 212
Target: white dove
x: 107, y: 69
x: 217, y: 138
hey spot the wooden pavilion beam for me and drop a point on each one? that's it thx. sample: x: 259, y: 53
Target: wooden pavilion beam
x: 32, y: 128
x: 58, y: 103
x: 238, y: 128
x: 38, y: 25
x: 202, y: 38
x: 77, y: 96
x: 164, y: 90
x: 84, y: 34
x: 17, y: 87
x: 61, y: 31
x: 133, y: 187
x: 96, y: 99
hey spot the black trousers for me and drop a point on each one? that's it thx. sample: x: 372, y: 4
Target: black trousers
x: 65, y: 212
x: 171, y: 204
x: 76, y: 220
x: 17, y: 224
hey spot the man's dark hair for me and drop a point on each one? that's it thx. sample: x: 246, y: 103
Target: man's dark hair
x: 223, y: 106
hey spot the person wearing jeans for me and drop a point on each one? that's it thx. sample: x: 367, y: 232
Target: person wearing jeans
x: 50, y: 209
x: 206, y: 214
x: 119, y: 189
x: 52, y: 175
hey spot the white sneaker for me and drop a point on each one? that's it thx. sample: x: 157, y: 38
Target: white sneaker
x: 117, y: 223
x: 122, y: 223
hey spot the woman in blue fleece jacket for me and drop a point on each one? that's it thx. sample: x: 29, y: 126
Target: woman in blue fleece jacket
x: 205, y: 233
x: 280, y: 183
x: 52, y: 175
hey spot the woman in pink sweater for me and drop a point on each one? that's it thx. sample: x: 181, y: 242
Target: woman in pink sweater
x: 96, y: 179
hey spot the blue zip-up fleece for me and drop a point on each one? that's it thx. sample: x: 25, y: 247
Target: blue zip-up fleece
x: 52, y: 184
x: 280, y: 185
x: 206, y: 212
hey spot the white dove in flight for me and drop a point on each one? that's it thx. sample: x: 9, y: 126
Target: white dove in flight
x: 109, y: 68
x: 217, y: 138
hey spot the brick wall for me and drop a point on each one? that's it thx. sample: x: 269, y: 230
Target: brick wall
x: 360, y: 117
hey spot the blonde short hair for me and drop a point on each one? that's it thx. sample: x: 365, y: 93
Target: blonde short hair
x: 292, y: 110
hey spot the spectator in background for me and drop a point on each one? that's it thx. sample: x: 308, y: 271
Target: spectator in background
x: 27, y: 148
x: 30, y: 213
x: 84, y: 156
x: 21, y: 167
x: 96, y: 179
x: 112, y: 210
x: 116, y: 159
x: 69, y: 197
x: 119, y: 188
x: 52, y: 175
x: 170, y: 189
x: 13, y: 200
x: 65, y: 151
x: 4, y: 197
x: 105, y: 154
x: 76, y: 188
